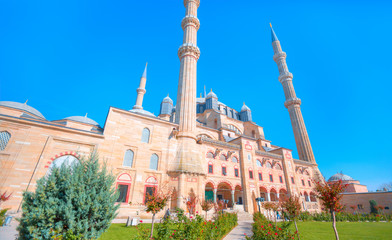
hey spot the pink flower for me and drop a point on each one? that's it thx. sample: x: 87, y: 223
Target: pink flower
x: 141, y: 221
x: 191, y: 217
x: 197, y: 212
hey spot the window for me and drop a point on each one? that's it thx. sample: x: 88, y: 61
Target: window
x: 260, y: 177
x: 280, y: 179
x: 224, y: 173
x: 154, y: 162
x: 234, y: 128
x: 234, y: 159
x: 123, y: 190
x: 150, y: 190
x: 250, y: 174
x: 292, y: 180
x: 67, y: 160
x: 278, y: 167
x: 222, y: 157
x: 271, y: 178
x: 123, y: 187
x: 303, y: 182
x: 269, y: 165
x: 146, y: 135
x: 128, y: 158
x: 309, y: 183
x: 210, y: 155
x: 258, y: 163
x: 4, y: 139
x: 236, y: 172
x: 210, y: 168
x: 249, y: 157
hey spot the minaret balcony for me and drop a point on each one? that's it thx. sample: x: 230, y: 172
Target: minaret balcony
x: 292, y: 101
x: 190, y: 20
x: 279, y: 56
x: 190, y: 50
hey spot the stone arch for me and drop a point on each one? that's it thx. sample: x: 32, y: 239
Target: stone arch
x: 263, y: 193
x: 76, y: 155
x: 273, y: 195
x: 206, y: 134
x: 223, y: 157
x: 313, y: 197
x: 278, y: 166
x: 210, y: 154
x: 227, y: 182
x: 212, y: 183
x: 283, y: 193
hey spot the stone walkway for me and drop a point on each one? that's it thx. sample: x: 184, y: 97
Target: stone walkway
x: 238, y: 232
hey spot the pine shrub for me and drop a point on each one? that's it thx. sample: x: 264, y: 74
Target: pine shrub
x: 78, y: 199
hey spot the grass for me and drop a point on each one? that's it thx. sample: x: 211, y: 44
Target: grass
x: 308, y: 231
x: 346, y: 230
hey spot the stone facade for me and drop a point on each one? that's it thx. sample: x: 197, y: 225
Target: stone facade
x: 201, y: 145
x: 361, y: 201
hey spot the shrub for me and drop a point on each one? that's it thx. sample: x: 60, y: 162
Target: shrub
x: 77, y: 200
x: 373, y: 208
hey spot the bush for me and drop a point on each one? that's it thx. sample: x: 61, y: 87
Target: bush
x: 193, y: 228
x: 344, y: 216
x: 264, y: 229
x: 73, y: 202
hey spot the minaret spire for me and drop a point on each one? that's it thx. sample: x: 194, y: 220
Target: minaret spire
x: 141, y: 90
x: 292, y: 103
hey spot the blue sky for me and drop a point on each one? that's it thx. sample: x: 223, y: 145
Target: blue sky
x: 72, y: 57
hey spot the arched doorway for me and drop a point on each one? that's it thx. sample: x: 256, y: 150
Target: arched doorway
x: 209, y: 192
x: 273, y: 195
x: 224, y: 193
x: 264, y: 193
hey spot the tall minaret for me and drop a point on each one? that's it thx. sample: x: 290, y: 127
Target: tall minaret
x: 188, y: 159
x: 292, y: 103
x: 141, y: 90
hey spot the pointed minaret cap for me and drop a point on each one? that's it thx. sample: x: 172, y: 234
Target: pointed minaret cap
x: 145, y: 71
x: 245, y: 108
x: 273, y: 35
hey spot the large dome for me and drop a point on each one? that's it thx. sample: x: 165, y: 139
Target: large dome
x: 340, y: 176
x: 82, y: 119
x: 23, y: 107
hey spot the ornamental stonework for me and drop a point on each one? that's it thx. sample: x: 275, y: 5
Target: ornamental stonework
x: 292, y: 101
x: 190, y: 20
x: 189, y: 49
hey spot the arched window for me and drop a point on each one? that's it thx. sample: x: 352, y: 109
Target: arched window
x: 128, y: 158
x: 67, y: 160
x: 154, y: 162
x: 210, y: 155
x: 146, y: 135
x: 258, y: 163
x: 123, y: 186
x: 306, y: 197
x: 232, y: 127
x: 306, y: 172
x: 313, y: 197
x: 278, y: 167
x: 269, y: 165
x: 234, y: 159
x: 222, y: 157
x: 4, y: 139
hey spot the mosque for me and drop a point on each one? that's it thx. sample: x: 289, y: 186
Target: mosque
x: 197, y: 145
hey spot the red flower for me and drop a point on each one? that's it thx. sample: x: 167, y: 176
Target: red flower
x: 141, y: 221
x: 276, y: 234
x: 280, y: 229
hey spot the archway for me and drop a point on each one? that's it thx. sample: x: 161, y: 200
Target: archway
x: 209, y: 192
x: 306, y: 197
x: 313, y: 197
x: 238, y: 195
x: 224, y: 193
x: 283, y: 193
x: 264, y: 193
x: 273, y: 195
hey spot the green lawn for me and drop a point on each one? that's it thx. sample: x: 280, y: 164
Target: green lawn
x: 308, y: 231
x: 346, y: 230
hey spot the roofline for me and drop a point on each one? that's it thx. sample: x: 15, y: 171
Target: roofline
x: 141, y: 116
x: 50, y: 125
x: 380, y: 192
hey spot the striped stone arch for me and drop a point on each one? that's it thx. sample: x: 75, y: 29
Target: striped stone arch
x: 270, y: 188
x: 237, y: 185
x: 124, y: 177
x: 269, y: 162
x: 210, y: 151
x: 76, y: 155
x: 212, y: 182
x: 224, y: 155
x: 227, y: 182
x: 207, y: 134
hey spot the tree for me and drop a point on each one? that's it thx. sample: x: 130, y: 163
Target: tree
x: 386, y: 187
x: 78, y: 199
x: 292, y: 206
x: 206, y: 205
x: 330, y: 194
x: 373, y: 207
x: 191, y: 202
x: 155, y: 203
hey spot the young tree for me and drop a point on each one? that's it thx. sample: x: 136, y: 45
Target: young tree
x: 292, y: 206
x: 78, y: 199
x: 330, y: 195
x: 191, y: 202
x: 373, y: 207
x: 206, y: 205
x: 155, y: 203
x: 3, y: 212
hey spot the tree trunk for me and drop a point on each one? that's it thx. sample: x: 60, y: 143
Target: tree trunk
x: 334, y: 225
x: 152, y: 226
x: 296, y: 228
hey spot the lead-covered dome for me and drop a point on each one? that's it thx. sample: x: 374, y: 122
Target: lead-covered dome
x: 211, y: 94
x: 23, y: 107
x: 82, y: 119
x: 340, y: 176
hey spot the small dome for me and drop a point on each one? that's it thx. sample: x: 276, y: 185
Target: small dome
x: 340, y: 176
x: 167, y: 100
x: 211, y: 94
x: 82, y: 119
x: 143, y: 112
x: 23, y: 107
x: 245, y: 108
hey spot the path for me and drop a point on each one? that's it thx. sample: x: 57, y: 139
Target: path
x: 238, y: 232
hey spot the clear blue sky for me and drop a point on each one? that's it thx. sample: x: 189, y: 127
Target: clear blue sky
x: 72, y: 57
